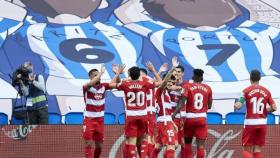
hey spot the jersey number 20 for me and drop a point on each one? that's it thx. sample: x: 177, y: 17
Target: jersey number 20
x: 136, y: 99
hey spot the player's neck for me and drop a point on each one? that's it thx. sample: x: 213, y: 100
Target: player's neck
x: 68, y: 19
x: 255, y: 83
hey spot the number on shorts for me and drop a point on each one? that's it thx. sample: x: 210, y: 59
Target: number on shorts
x: 258, y: 106
x: 198, y: 101
x: 139, y: 97
x: 170, y: 134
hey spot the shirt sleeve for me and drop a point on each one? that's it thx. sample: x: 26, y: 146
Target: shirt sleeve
x: 120, y: 86
x: 107, y: 86
x: 40, y: 84
x: 270, y: 100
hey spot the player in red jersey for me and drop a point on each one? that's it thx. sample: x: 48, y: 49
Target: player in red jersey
x: 198, y: 98
x: 165, y: 125
x: 175, y: 96
x: 256, y: 98
x: 93, y: 125
x: 151, y: 109
x: 135, y: 90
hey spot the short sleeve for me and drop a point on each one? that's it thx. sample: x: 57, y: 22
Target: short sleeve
x: 151, y: 85
x: 107, y: 86
x: 270, y: 100
x: 210, y: 94
x: 120, y: 86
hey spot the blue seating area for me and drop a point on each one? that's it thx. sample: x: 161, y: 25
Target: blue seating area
x: 213, y: 118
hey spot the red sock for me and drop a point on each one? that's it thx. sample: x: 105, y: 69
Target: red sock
x: 247, y: 154
x: 97, y: 152
x: 150, y: 149
x: 169, y: 153
x: 188, y: 151
x: 182, y: 152
x: 257, y: 155
x: 200, y: 153
x: 144, y: 149
x: 155, y: 153
x: 124, y: 151
x: 88, y: 152
x: 139, y: 150
x: 131, y: 151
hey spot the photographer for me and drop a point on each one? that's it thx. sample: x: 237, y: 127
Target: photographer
x: 32, y: 86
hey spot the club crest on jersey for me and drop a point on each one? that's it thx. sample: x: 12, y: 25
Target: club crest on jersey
x: 98, y: 96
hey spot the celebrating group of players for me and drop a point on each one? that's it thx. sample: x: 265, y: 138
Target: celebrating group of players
x: 181, y: 107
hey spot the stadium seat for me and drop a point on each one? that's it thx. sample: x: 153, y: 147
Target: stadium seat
x: 235, y: 118
x: 3, y: 119
x: 54, y: 118
x: 270, y: 119
x: 109, y: 118
x: 74, y: 118
x: 122, y: 118
x: 214, y: 118
x: 15, y: 121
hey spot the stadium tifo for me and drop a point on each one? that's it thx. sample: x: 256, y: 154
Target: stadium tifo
x: 133, y: 78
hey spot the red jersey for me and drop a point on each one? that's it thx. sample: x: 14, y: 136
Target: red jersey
x: 135, y: 96
x: 150, y: 98
x: 198, y: 95
x: 95, y: 100
x: 256, y: 98
x: 163, y: 100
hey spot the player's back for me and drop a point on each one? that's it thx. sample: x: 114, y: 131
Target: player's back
x: 256, y: 98
x: 136, y: 96
x: 198, y: 96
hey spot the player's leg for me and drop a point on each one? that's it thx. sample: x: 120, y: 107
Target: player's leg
x: 98, y: 149
x: 201, y: 132
x: 169, y: 151
x: 259, y: 141
x: 200, y: 147
x: 156, y: 150
x: 87, y: 136
x: 151, y: 129
x: 188, y: 136
x: 248, y: 140
x: 142, y: 146
x: 131, y: 134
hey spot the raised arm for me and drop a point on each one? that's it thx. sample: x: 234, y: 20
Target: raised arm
x: 151, y: 68
x: 114, y: 81
x: 96, y: 78
x: 175, y: 63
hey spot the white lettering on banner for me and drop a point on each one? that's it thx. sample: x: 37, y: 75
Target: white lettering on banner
x: 20, y: 132
x: 217, y: 149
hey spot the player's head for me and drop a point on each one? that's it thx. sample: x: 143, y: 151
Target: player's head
x: 179, y: 72
x: 134, y: 73
x: 92, y: 73
x: 171, y: 82
x: 28, y: 66
x: 143, y: 72
x: 255, y: 76
x: 52, y: 8
x: 192, y: 12
x: 198, y: 75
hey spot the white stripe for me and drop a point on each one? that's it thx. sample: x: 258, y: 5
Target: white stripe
x: 93, y: 90
x: 139, y: 29
x: 194, y: 115
x: 122, y: 45
x: 94, y: 114
x: 255, y: 121
x: 173, y: 104
x: 162, y: 24
x: 164, y: 118
x: 95, y: 102
x: 3, y: 35
x: 136, y: 112
x: 191, y: 52
x: 41, y: 48
x: 265, y: 49
x: 247, y: 23
x: 272, y: 32
x: 157, y: 40
x: 151, y: 109
x: 239, y: 70
x: 14, y: 28
x: 178, y: 115
x: 71, y: 33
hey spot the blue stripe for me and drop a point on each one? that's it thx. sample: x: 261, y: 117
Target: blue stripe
x: 258, y: 27
x: 1, y: 41
x: 151, y: 26
x: 108, y: 47
x: 53, y: 42
x: 224, y: 70
x: 172, y: 48
x: 250, y: 51
x: 5, y: 24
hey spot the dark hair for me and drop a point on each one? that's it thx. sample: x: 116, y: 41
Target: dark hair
x: 255, y: 76
x: 91, y: 71
x: 171, y: 78
x: 181, y: 67
x: 134, y: 73
x: 144, y: 70
x: 198, y: 75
